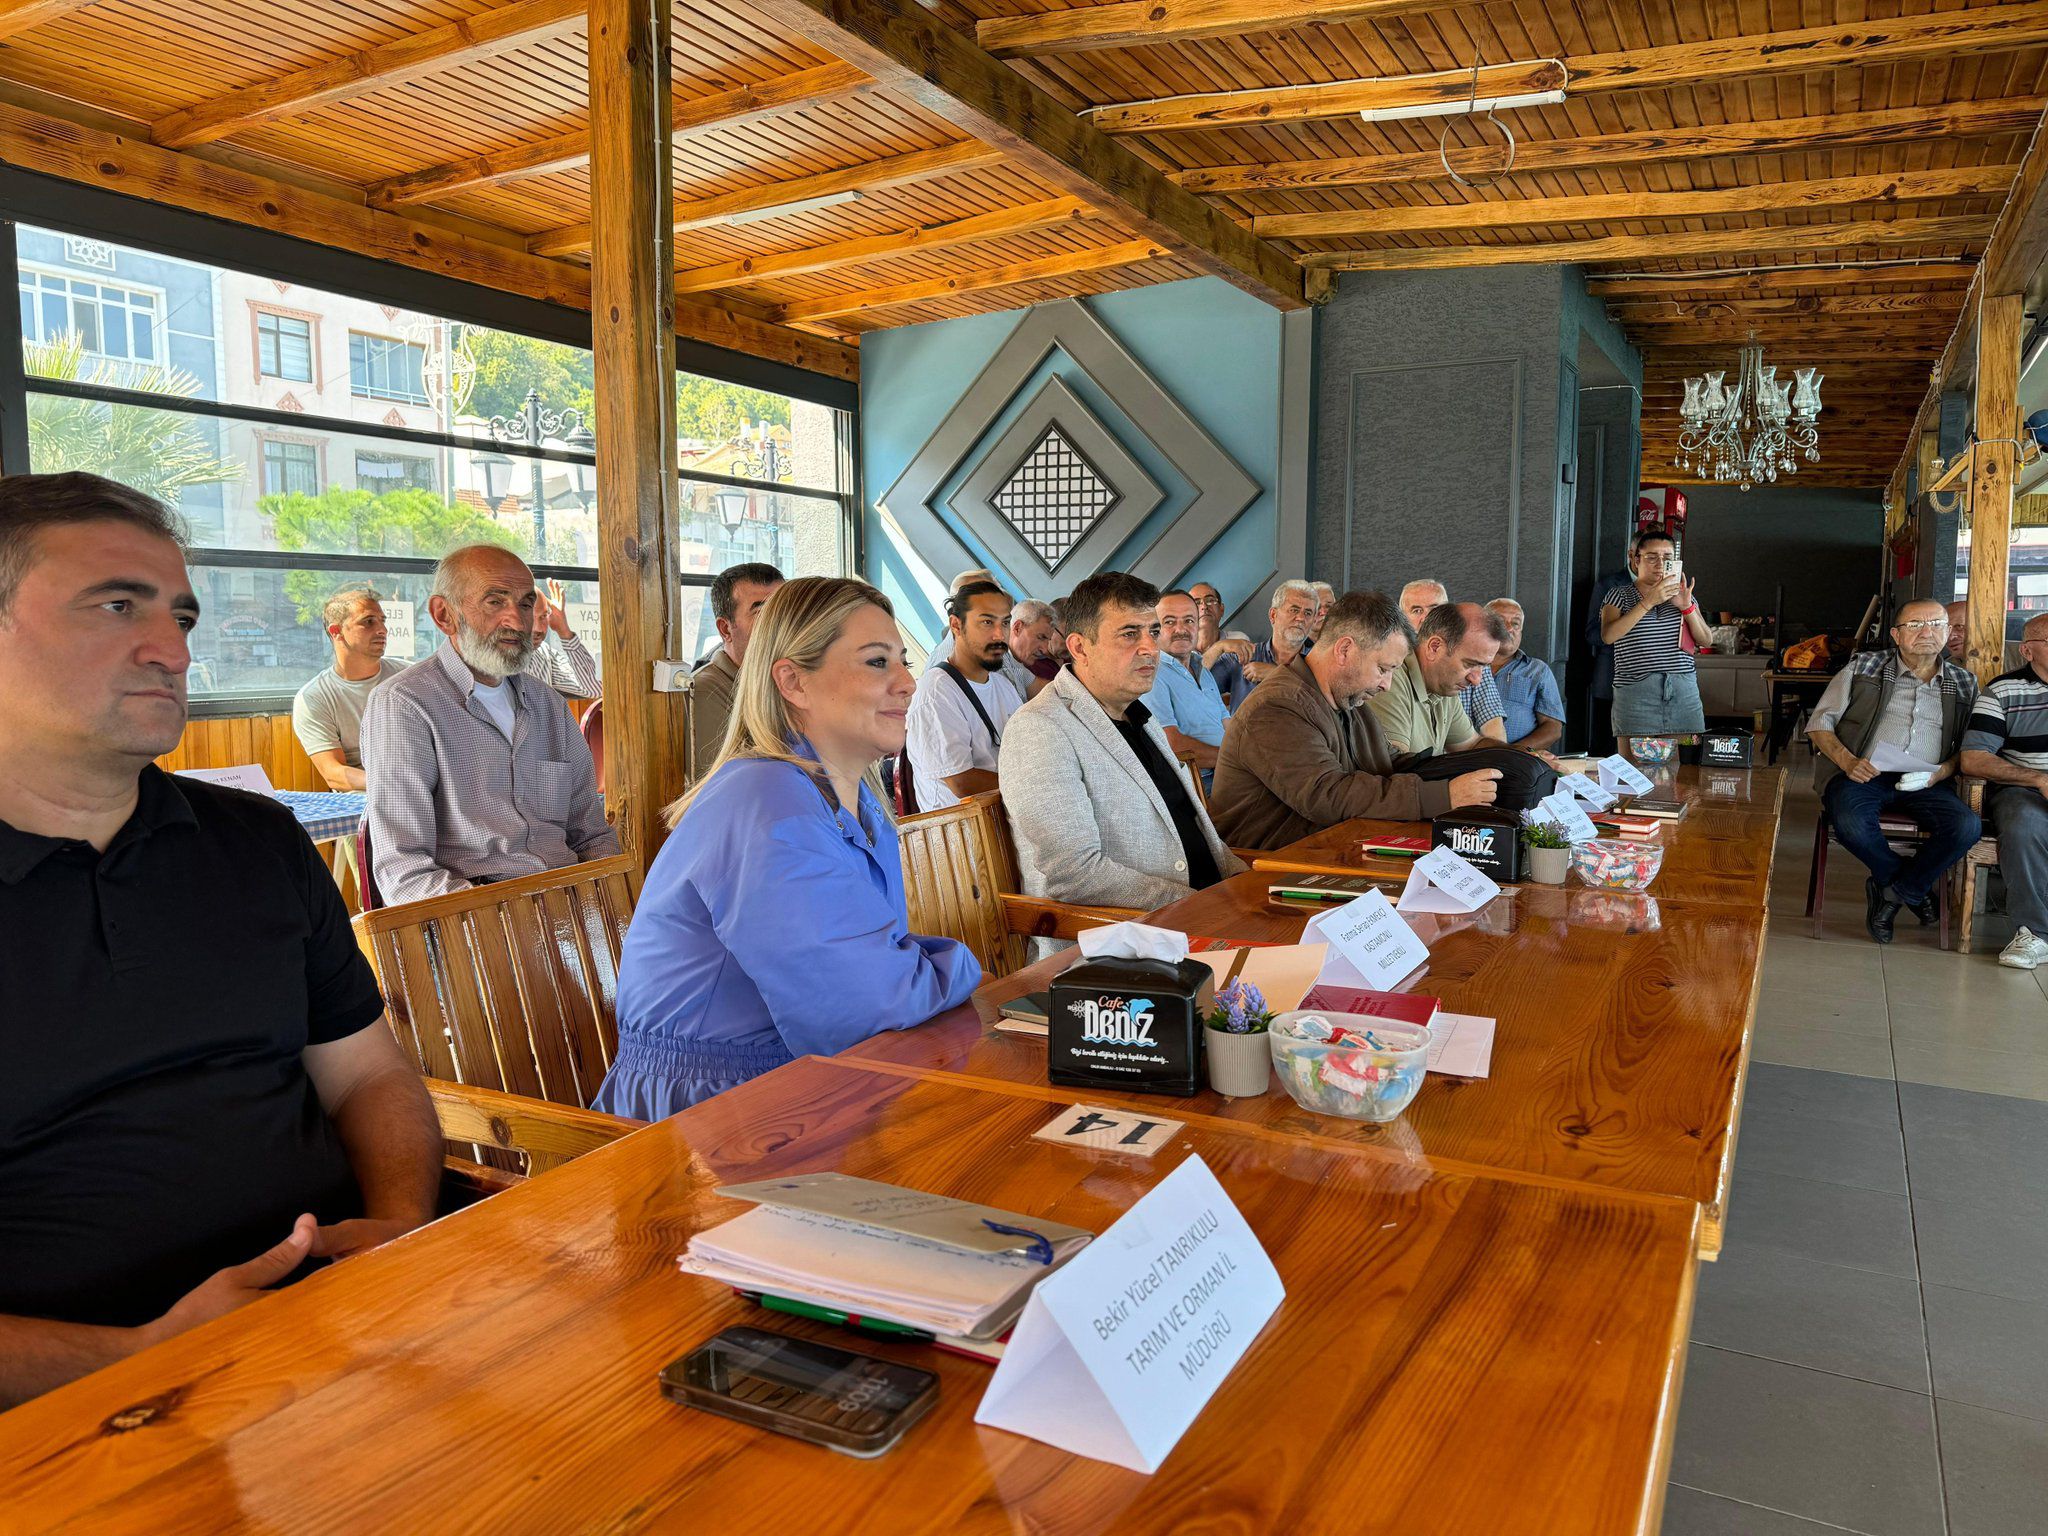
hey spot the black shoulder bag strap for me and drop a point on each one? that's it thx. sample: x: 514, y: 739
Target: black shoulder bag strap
x: 974, y: 698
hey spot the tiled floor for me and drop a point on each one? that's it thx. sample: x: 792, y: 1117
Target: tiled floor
x: 1871, y: 1352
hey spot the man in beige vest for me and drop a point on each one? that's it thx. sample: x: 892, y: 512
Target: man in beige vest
x: 737, y: 596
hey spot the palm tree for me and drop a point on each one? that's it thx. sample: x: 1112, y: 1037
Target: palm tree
x: 160, y: 453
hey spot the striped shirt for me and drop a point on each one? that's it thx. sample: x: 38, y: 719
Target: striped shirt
x: 453, y: 804
x: 1652, y: 646
x: 571, y: 671
x: 2011, y: 720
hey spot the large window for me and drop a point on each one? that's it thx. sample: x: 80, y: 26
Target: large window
x: 446, y: 433
x: 380, y: 368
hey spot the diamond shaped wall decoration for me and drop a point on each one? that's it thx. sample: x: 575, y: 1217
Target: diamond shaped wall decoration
x: 1053, y: 497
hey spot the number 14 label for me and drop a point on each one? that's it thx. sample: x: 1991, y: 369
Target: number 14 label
x: 1108, y: 1130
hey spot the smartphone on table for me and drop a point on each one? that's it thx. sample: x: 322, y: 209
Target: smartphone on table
x: 859, y: 1404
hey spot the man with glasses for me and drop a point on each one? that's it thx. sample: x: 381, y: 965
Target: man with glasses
x: 1184, y: 698
x: 1906, y: 704
x: 1294, y: 609
x: 2007, y: 744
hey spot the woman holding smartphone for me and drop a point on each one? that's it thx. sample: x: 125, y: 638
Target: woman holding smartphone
x: 1656, y: 688
x: 772, y: 924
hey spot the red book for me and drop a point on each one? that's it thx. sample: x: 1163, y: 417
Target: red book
x: 1406, y: 1007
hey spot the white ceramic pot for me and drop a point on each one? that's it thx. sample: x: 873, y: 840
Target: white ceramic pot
x: 1240, y: 1066
x: 1548, y: 866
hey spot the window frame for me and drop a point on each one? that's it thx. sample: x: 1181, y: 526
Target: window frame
x: 369, y: 391
x: 263, y: 442
x: 159, y: 315
x: 258, y: 312
x: 78, y: 210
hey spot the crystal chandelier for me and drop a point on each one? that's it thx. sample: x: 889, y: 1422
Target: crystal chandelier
x: 1755, y: 430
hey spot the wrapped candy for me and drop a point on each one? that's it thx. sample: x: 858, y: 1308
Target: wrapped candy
x: 1613, y: 865
x: 1349, y: 1065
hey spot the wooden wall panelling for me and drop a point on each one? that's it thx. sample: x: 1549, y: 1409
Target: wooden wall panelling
x: 1993, y: 460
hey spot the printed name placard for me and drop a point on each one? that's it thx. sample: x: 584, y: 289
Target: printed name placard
x: 249, y: 776
x: 1586, y: 790
x: 400, y: 643
x: 1107, y: 1130
x: 585, y: 619
x: 1563, y: 812
x: 1440, y: 881
x: 1617, y: 772
x: 1369, y: 945
x: 1117, y: 1353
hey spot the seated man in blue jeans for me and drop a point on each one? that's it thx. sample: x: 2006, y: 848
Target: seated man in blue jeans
x: 2007, y: 745
x: 1914, y: 700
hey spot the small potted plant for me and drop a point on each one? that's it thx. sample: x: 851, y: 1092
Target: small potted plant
x: 1240, y: 1058
x: 1550, y: 853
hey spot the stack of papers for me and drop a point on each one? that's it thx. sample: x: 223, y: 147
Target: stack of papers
x: 877, y: 1269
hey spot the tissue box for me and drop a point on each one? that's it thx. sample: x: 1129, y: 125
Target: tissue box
x: 1487, y: 838
x: 1726, y: 749
x: 1130, y: 1025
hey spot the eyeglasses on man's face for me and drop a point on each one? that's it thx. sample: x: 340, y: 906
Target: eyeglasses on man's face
x: 1922, y: 626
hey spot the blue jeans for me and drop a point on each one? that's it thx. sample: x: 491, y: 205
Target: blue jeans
x: 1952, y: 828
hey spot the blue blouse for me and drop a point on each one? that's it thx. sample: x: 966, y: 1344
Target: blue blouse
x: 771, y: 926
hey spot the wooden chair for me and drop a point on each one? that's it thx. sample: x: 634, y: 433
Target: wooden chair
x: 1187, y: 761
x: 1983, y: 856
x: 511, y: 987
x: 960, y: 881
x: 592, y: 726
x: 540, y: 1134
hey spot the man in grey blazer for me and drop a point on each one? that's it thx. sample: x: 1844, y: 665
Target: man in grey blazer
x: 1101, y: 809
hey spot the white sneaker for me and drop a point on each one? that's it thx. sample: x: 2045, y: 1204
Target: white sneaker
x: 2024, y: 952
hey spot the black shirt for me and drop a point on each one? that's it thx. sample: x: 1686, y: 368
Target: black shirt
x: 156, y: 1121
x: 1173, y: 789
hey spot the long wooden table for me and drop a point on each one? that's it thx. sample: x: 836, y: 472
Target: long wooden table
x: 1457, y: 1352
x: 1719, y: 852
x: 1623, y: 1022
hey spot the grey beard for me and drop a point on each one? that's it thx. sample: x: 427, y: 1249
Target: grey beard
x: 485, y: 657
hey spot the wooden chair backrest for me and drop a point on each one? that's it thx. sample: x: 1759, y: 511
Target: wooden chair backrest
x: 512, y: 986
x: 957, y: 864
x: 1193, y: 774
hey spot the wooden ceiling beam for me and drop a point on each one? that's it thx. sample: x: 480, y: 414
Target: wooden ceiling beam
x: 1769, y: 281
x: 1132, y: 23
x: 1651, y: 311
x: 1789, y: 135
x: 1851, y: 235
x: 570, y: 151
x: 57, y: 146
x: 868, y: 176
x: 18, y: 16
x: 1768, y: 197
x: 891, y: 243
x: 1944, y: 34
x: 483, y: 36
x: 925, y: 59
x: 1066, y: 265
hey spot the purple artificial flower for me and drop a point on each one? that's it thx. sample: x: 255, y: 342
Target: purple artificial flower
x: 1241, y: 1009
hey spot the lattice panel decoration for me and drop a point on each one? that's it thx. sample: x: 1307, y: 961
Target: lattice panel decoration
x: 1053, y: 497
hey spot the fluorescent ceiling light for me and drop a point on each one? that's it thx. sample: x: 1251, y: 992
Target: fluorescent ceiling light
x: 789, y: 210
x: 1460, y: 108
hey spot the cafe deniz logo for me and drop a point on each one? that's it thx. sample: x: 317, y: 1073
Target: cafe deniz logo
x: 1489, y: 840
x: 1725, y: 749
x: 1131, y: 1025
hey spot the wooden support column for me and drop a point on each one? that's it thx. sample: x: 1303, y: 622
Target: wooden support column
x: 632, y: 322
x: 1991, y: 477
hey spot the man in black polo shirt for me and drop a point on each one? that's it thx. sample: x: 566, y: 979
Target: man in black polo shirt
x: 200, y: 1091
x: 1101, y: 810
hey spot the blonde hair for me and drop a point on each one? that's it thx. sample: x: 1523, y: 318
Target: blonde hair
x: 799, y: 623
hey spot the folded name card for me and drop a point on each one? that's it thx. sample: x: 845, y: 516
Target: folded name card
x: 1117, y: 1353
x: 1369, y: 945
x: 1440, y: 881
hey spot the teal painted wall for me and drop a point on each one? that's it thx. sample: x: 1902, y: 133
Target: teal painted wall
x: 1214, y: 349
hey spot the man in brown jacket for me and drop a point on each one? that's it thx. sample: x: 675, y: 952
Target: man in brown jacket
x: 1302, y: 754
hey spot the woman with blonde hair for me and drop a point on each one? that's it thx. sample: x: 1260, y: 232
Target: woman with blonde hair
x: 772, y: 924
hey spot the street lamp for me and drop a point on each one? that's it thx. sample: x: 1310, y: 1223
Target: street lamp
x: 533, y: 426
x: 582, y: 477
x: 497, y: 470
x: 732, y: 507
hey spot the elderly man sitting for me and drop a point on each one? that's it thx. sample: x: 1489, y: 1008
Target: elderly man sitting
x: 1293, y: 617
x: 476, y: 770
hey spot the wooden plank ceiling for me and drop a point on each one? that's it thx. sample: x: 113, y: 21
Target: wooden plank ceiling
x: 1823, y: 172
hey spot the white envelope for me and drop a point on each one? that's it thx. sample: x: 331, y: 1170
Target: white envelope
x: 1110, y: 1359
